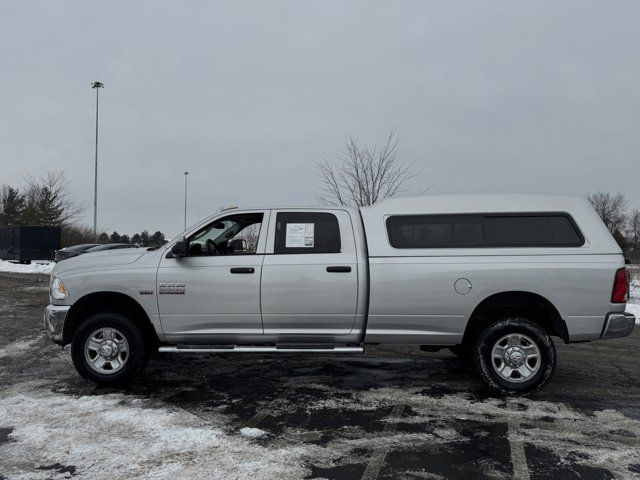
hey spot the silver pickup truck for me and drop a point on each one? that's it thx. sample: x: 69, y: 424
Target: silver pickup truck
x: 492, y: 277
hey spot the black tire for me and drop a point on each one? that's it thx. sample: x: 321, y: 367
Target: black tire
x: 136, y: 355
x: 487, y: 367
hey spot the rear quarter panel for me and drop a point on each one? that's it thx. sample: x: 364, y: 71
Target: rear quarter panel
x: 413, y: 299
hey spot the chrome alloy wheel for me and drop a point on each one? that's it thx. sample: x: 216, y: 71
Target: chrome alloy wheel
x: 515, y: 357
x: 106, y: 350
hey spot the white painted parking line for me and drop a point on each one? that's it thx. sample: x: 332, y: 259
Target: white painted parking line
x: 518, y: 457
x: 380, y: 454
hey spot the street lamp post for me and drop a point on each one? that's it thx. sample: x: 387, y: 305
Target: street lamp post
x: 96, y: 86
x: 185, y: 199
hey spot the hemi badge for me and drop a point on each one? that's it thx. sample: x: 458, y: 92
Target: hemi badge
x: 146, y: 292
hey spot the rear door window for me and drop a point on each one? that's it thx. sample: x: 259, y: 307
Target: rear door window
x: 306, y: 232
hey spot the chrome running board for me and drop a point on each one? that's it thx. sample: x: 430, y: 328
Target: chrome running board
x: 259, y: 349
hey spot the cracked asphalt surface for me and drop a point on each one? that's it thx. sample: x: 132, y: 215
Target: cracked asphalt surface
x: 395, y: 412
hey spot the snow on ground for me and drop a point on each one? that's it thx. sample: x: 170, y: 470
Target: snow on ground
x: 18, y: 347
x: 141, y: 441
x: 252, y: 432
x: 633, y: 305
x: 35, y: 266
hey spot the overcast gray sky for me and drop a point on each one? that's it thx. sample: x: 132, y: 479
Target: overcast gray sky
x: 489, y: 96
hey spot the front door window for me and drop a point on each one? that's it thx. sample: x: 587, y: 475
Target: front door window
x: 233, y: 235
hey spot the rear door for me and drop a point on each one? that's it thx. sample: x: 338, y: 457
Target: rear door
x: 310, y: 274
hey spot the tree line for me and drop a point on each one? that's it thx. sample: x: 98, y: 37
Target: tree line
x: 622, y: 222
x: 48, y: 200
x: 364, y: 175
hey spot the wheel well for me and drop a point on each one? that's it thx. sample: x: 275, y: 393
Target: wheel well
x: 531, y: 305
x: 108, y: 302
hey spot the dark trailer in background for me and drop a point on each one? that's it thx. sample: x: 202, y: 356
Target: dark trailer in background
x: 26, y: 243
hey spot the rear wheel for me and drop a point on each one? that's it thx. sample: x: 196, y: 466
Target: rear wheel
x: 108, y: 349
x: 514, y: 356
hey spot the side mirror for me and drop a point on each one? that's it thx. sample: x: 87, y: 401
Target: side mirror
x: 237, y: 245
x: 179, y: 249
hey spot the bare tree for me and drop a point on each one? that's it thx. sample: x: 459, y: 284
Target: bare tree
x: 613, y: 212
x: 611, y: 208
x: 367, y: 174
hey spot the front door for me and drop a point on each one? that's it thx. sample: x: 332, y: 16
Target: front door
x: 310, y: 275
x: 213, y: 294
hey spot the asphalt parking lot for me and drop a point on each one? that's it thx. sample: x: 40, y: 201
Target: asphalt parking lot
x: 392, y: 413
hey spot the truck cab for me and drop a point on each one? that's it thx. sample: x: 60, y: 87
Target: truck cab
x: 301, y: 279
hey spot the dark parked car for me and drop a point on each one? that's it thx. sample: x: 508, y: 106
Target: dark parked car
x: 110, y: 246
x: 73, y: 251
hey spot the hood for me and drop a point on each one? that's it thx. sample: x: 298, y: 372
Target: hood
x: 106, y: 258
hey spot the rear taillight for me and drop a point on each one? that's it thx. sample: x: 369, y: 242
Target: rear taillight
x: 620, y: 291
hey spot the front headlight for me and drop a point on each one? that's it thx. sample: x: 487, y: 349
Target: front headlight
x: 58, y: 290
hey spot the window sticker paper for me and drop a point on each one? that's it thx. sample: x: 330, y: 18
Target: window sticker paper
x: 300, y: 235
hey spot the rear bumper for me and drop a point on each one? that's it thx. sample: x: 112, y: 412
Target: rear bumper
x: 54, y: 317
x: 618, y: 325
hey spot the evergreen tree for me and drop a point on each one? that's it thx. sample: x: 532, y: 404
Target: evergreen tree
x: 12, y: 207
x: 144, y: 238
x: 115, y: 237
x: 103, y: 238
x: 157, y: 239
x: 136, y: 239
x: 125, y: 239
x: 48, y: 209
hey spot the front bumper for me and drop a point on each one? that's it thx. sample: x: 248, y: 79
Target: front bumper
x: 618, y: 325
x: 54, y: 317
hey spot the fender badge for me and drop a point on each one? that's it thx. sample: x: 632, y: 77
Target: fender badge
x: 146, y: 292
x: 175, y: 288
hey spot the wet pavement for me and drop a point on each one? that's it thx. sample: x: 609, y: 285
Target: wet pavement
x: 393, y: 413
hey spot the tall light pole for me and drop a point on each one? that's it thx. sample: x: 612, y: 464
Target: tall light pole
x: 186, y: 174
x: 96, y: 86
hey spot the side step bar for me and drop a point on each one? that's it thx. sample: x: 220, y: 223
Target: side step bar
x: 260, y: 349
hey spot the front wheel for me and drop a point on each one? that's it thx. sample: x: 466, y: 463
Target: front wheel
x: 108, y: 349
x: 514, y: 356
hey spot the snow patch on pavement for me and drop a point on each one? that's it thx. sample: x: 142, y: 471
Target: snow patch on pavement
x: 633, y: 305
x: 18, y: 347
x: 252, y: 432
x: 33, y: 267
x: 141, y: 442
